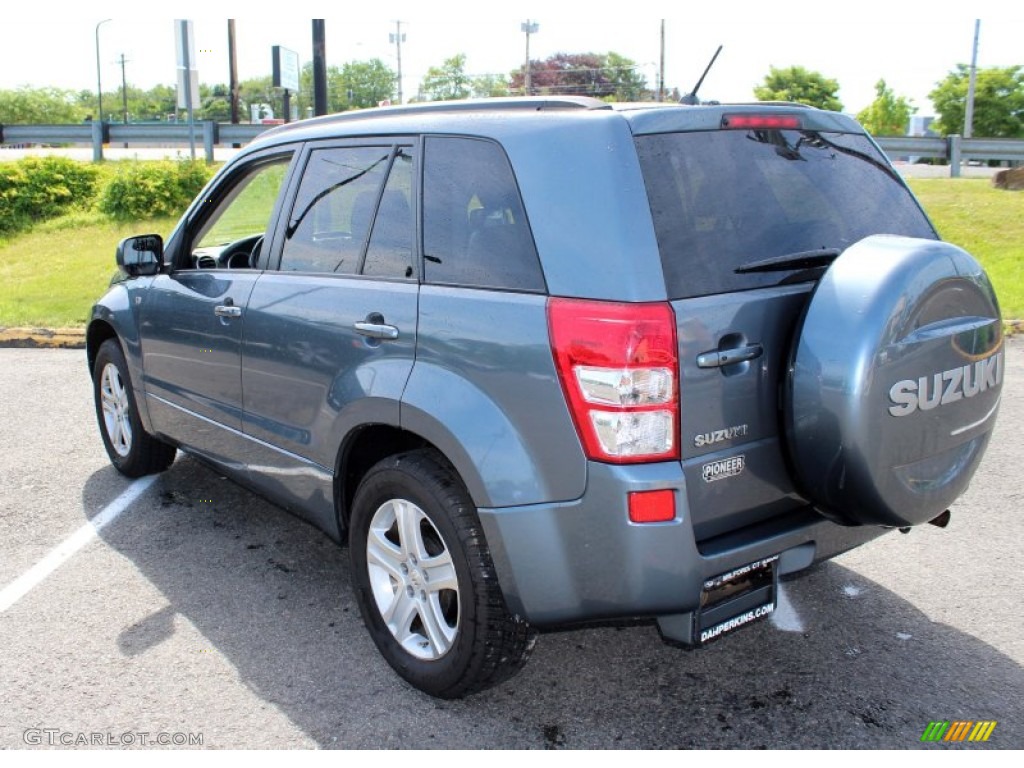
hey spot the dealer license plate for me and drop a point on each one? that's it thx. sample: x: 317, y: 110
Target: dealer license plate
x: 734, y: 599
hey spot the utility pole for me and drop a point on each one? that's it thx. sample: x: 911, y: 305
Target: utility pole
x: 969, y: 114
x: 398, y: 37
x: 232, y: 72
x: 124, y: 89
x: 530, y: 28
x: 319, y: 68
x: 99, y: 81
x: 124, y: 94
x: 661, y: 65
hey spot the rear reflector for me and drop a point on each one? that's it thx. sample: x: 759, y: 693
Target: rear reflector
x: 652, y: 506
x: 618, y: 366
x: 761, y: 121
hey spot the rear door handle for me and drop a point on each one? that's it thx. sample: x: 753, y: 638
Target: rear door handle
x: 721, y: 357
x: 227, y: 310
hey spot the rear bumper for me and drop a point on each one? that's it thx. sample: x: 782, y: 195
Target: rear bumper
x: 583, y: 560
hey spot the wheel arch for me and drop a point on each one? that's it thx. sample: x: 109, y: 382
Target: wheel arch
x: 98, y: 332
x: 510, y: 438
x: 363, y: 448
x: 111, y: 319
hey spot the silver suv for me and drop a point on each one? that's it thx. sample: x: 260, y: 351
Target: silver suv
x: 544, y: 361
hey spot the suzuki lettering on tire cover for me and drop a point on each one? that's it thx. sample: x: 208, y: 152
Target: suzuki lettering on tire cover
x: 894, y: 381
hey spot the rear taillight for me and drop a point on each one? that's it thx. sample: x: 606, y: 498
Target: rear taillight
x: 619, y: 368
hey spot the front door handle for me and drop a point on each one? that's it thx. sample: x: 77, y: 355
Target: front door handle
x: 720, y: 357
x: 227, y: 310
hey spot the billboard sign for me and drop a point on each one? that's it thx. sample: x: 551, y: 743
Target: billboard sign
x: 286, y: 69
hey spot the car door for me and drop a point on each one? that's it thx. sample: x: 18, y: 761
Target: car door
x: 191, y: 319
x: 330, y: 335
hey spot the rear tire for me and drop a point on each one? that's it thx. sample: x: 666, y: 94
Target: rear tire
x: 132, y: 450
x: 425, y: 582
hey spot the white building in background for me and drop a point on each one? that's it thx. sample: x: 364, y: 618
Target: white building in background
x: 920, y: 125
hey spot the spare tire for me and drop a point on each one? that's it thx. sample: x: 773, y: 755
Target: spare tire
x: 894, y: 381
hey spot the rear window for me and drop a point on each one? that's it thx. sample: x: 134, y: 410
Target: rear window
x: 721, y: 199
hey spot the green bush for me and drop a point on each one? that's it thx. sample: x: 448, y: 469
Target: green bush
x: 38, y: 188
x: 145, y: 190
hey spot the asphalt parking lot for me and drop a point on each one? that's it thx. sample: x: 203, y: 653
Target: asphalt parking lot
x: 204, y: 610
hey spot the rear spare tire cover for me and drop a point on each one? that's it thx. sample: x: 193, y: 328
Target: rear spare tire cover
x: 894, y: 381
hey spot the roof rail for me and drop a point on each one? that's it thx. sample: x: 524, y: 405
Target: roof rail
x: 532, y: 103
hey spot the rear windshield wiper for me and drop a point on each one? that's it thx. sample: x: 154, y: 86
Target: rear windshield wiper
x: 801, y: 260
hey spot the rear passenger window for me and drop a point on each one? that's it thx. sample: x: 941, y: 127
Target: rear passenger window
x: 390, y: 252
x: 475, y: 231
x: 334, y: 209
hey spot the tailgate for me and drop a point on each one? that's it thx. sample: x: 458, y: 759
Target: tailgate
x: 733, y: 351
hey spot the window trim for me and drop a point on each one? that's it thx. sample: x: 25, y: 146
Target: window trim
x: 303, y: 158
x: 212, y: 197
x: 421, y: 224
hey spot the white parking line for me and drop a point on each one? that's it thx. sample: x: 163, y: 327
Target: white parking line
x: 18, y: 588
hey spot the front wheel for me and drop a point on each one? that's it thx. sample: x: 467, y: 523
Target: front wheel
x: 132, y: 450
x: 425, y: 582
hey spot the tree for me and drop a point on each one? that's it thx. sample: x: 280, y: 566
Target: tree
x: 366, y: 83
x: 998, y: 102
x: 215, y: 103
x: 304, y: 98
x: 257, y: 90
x: 161, y: 101
x: 354, y: 85
x: 800, y: 85
x: 154, y: 104
x: 630, y: 85
x: 888, y: 114
x: 607, y: 76
x: 447, y: 82
x: 486, y: 86
x: 30, y: 106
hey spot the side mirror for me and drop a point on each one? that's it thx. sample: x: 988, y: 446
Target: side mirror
x: 140, y: 255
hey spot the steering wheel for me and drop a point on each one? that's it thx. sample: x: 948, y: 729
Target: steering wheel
x: 254, y: 254
x: 238, y: 255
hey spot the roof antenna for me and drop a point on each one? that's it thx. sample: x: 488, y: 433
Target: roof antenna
x: 691, y: 99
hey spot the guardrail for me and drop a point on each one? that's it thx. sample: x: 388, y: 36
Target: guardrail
x: 956, y: 150
x: 953, y: 149
x: 204, y: 133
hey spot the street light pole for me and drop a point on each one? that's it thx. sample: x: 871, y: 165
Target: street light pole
x: 99, y: 82
x: 972, y: 83
x: 661, y: 65
x: 398, y: 37
x: 530, y: 28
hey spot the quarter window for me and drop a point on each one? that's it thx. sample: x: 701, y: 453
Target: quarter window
x: 475, y: 231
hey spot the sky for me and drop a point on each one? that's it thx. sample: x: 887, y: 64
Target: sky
x: 854, y: 42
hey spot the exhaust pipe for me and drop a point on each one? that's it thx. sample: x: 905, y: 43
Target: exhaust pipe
x: 939, y: 522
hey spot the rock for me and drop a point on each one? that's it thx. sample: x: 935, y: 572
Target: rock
x: 1011, y: 178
